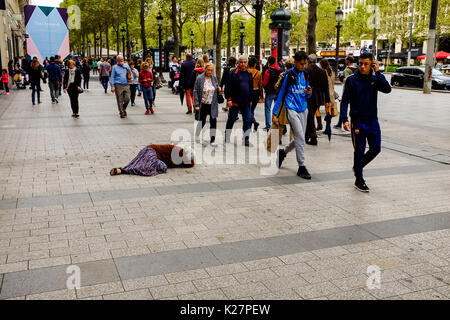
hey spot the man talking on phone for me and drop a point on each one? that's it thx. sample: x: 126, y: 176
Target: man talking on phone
x: 361, y: 91
x: 294, y: 92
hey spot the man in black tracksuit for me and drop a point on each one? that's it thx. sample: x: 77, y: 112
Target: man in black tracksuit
x: 361, y: 90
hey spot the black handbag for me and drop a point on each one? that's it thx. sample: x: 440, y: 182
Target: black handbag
x: 197, y: 115
x: 220, y: 98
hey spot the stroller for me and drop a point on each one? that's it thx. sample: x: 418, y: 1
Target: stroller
x: 19, y: 79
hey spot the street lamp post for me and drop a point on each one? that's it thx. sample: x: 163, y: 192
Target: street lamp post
x: 159, y: 20
x: 241, y: 42
x: 410, y: 34
x: 123, y: 31
x: 96, y: 45
x: 257, y: 5
x: 192, y: 41
x: 89, y: 48
x: 339, y: 17
x: 133, y: 43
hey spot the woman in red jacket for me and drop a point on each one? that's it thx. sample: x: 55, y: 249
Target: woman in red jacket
x: 146, y: 82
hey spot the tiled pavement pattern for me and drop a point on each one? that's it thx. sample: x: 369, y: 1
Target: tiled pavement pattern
x: 218, y: 231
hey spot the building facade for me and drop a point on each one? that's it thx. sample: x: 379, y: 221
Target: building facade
x: 12, y: 31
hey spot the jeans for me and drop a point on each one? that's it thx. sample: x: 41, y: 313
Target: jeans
x: 86, y: 81
x: 232, y: 117
x: 36, y: 88
x: 105, y: 80
x: 54, y: 87
x: 148, y: 97
x: 360, y: 133
x: 133, y: 88
x: 270, y: 97
x: 5, y: 84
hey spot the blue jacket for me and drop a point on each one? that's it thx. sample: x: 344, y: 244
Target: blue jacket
x: 54, y: 72
x: 361, y: 91
x: 119, y: 74
x: 295, y: 98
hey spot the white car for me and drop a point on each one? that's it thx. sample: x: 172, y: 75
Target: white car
x: 381, y: 64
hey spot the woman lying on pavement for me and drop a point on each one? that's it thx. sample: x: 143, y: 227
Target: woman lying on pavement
x: 155, y: 159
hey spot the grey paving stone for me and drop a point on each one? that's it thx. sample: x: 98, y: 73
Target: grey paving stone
x: 34, y: 281
x: 187, y: 188
x: 55, y: 278
x: 395, y: 228
x: 39, y: 202
x: 245, y: 184
x: 332, y: 237
x: 8, y: 204
x: 165, y: 262
x: 76, y: 198
x: 123, y: 194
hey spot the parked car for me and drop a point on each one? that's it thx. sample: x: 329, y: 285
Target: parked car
x: 381, y: 66
x: 413, y: 77
x: 445, y: 69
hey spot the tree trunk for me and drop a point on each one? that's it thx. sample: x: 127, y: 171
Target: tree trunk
x: 143, y: 39
x: 311, y: 29
x: 107, y: 40
x: 258, y: 19
x: 100, y: 51
x: 173, y: 17
x: 127, y: 40
x: 228, y: 29
x: 204, y: 37
x: 118, y: 38
x: 219, y: 40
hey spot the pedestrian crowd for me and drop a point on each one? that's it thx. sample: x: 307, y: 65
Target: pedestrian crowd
x: 292, y: 91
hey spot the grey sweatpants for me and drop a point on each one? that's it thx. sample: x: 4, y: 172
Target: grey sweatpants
x: 298, y: 124
x: 123, y: 97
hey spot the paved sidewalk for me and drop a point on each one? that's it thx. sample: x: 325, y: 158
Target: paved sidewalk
x: 218, y: 231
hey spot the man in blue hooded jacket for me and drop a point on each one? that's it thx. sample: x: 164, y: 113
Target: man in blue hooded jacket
x: 361, y: 91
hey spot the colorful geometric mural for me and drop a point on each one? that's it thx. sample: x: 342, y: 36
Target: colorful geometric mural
x: 48, y: 32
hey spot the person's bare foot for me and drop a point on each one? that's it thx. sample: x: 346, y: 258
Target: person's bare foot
x: 115, y: 171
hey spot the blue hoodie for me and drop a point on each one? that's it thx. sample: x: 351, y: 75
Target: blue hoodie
x: 361, y: 91
x: 295, y: 97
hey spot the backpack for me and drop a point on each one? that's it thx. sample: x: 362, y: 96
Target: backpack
x: 290, y: 81
x: 274, y: 76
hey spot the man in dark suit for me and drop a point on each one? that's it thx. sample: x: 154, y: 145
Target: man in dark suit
x: 187, y: 69
x: 320, y: 96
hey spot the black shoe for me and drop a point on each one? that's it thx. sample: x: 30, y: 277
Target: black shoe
x: 255, y: 126
x: 33, y: 103
x: 361, y: 185
x: 281, y: 154
x: 248, y: 144
x: 77, y: 115
x: 189, y: 112
x: 312, y: 141
x: 303, y: 173
x: 337, y: 126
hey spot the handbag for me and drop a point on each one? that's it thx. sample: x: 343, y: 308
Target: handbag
x: 220, y: 98
x: 197, y: 114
